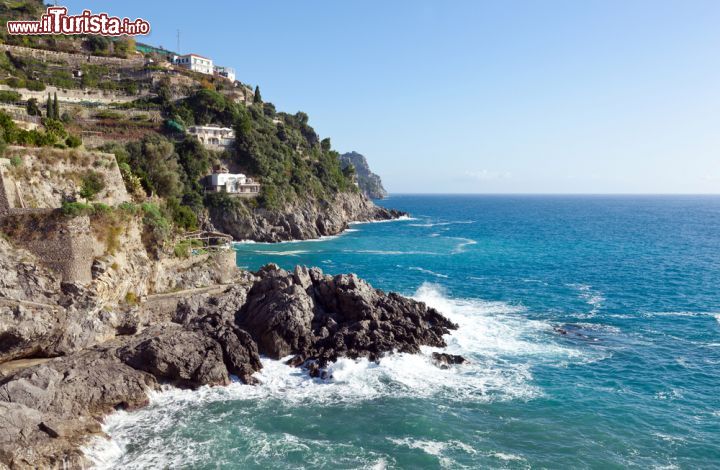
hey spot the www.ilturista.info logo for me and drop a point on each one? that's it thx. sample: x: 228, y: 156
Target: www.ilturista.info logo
x: 57, y: 21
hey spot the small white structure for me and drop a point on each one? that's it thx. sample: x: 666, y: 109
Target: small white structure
x: 194, y: 62
x: 227, y: 72
x: 213, y: 137
x: 222, y: 181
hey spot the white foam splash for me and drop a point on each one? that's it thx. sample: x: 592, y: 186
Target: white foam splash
x: 591, y: 297
x: 501, y: 344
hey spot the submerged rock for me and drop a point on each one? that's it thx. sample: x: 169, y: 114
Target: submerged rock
x: 444, y: 360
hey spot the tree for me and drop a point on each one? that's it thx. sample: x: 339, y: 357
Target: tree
x: 98, y: 44
x: 48, y: 108
x: 325, y: 144
x: 125, y: 47
x: 154, y: 161
x: 56, y: 109
x: 32, y: 107
x: 257, y: 99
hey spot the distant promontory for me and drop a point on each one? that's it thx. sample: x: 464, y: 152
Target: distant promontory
x: 369, y: 182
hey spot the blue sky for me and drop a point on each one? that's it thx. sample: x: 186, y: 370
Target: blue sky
x: 475, y: 96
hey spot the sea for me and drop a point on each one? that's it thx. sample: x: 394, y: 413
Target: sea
x: 591, y: 325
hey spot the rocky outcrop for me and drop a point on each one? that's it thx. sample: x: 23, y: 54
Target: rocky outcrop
x: 370, y: 183
x: 48, y: 411
x: 307, y: 219
x: 109, y: 360
x: 319, y: 318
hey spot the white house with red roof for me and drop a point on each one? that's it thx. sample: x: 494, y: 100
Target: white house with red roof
x: 194, y: 62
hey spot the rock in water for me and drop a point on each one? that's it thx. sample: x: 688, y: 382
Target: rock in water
x: 444, y: 360
x: 316, y: 316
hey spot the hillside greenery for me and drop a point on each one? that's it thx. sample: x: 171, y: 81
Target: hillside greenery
x: 166, y: 165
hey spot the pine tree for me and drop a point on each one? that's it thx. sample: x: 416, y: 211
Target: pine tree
x: 56, y: 109
x: 49, y: 110
x: 257, y: 99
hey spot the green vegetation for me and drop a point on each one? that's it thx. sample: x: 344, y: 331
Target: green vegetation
x: 92, y: 184
x: 7, y: 96
x: 73, y: 141
x: 12, y: 134
x: 32, y: 107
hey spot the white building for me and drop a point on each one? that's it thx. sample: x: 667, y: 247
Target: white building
x: 227, y: 72
x: 221, y: 181
x: 194, y: 62
x: 213, y: 137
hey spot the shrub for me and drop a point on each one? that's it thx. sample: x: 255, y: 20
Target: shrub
x: 131, y: 298
x: 75, y: 209
x: 92, y: 184
x: 8, y: 96
x: 182, y: 249
x: 73, y: 141
x: 15, y: 161
x: 35, y: 85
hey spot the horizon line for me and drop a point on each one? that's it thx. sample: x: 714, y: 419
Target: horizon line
x: 549, y: 194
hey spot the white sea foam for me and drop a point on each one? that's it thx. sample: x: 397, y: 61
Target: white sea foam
x: 462, y: 246
x: 281, y: 253
x: 592, y: 297
x: 390, y: 252
x: 442, y: 224
x: 427, y: 271
x: 499, y: 341
x: 322, y: 238
x: 402, y: 218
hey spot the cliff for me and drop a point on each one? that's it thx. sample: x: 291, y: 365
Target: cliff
x: 70, y: 354
x: 302, y: 220
x: 370, y: 183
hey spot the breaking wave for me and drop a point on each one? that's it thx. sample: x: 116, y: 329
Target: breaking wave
x: 501, y: 344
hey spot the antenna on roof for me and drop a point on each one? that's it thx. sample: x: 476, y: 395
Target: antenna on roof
x: 178, y: 41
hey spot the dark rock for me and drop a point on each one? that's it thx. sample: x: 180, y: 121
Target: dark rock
x: 179, y: 356
x: 321, y: 317
x: 444, y: 360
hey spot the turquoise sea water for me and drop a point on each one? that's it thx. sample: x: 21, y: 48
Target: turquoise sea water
x: 634, y: 381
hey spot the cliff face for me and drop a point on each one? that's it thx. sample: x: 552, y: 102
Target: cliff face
x: 369, y: 182
x: 301, y: 221
x: 90, y: 359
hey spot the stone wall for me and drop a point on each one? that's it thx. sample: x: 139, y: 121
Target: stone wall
x: 63, y: 244
x: 46, y: 176
x: 74, y: 96
x: 71, y: 59
x: 68, y: 251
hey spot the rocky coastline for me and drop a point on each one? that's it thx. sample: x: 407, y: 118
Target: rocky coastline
x: 54, y: 403
x: 307, y: 219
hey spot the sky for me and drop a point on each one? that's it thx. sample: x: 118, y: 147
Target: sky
x: 471, y: 96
